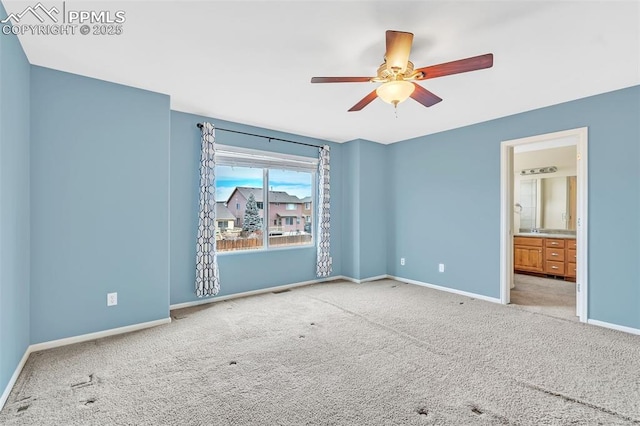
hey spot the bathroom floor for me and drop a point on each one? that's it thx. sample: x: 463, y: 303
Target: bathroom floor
x: 547, y: 296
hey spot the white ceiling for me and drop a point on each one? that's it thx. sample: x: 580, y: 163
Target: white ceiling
x: 251, y: 62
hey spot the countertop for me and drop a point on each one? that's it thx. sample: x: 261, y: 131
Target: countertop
x: 544, y: 235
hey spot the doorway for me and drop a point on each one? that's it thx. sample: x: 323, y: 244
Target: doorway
x: 533, y: 259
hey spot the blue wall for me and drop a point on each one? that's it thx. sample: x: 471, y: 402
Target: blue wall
x: 350, y: 212
x: 446, y: 209
x: 14, y: 205
x: 374, y: 209
x: 246, y: 271
x: 99, y: 205
x: 365, y: 209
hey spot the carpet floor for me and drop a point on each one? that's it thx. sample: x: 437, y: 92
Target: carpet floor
x: 381, y: 353
x: 546, y: 296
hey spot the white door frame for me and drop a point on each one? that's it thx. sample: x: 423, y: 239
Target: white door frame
x: 506, y: 213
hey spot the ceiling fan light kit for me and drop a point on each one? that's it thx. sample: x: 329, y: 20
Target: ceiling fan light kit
x: 398, y: 76
x: 395, y: 92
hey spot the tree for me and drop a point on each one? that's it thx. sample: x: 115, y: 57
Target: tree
x: 251, y: 222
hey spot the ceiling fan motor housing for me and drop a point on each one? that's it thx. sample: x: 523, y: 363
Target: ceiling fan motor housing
x: 384, y: 74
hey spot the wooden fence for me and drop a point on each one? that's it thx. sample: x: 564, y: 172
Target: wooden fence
x: 289, y: 240
x: 257, y: 243
x: 239, y: 244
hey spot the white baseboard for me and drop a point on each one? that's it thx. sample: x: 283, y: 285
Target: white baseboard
x: 364, y: 280
x: 449, y: 290
x: 97, y: 335
x: 14, y: 377
x: 214, y: 299
x: 626, y: 329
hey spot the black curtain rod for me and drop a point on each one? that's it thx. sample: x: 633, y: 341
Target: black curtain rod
x: 261, y: 136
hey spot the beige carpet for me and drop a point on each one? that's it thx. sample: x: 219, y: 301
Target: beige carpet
x: 545, y: 296
x: 382, y: 353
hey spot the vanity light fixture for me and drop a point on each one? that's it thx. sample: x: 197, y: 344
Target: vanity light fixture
x: 539, y: 170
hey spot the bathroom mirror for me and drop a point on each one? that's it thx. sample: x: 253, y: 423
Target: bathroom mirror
x: 546, y: 203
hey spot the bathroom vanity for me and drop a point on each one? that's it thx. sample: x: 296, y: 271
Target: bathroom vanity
x: 545, y: 254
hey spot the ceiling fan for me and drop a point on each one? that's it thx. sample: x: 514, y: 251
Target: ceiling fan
x: 399, y: 76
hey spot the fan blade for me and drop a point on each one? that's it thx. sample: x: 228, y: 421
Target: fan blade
x: 364, y: 102
x: 456, y: 67
x: 398, y: 50
x: 341, y: 79
x: 424, y: 96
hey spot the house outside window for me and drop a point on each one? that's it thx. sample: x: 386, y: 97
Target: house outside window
x: 291, y: 206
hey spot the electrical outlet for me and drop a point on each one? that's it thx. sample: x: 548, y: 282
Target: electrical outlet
x: 112, y: 299
x: 402, y: 261
x: 441, y: 267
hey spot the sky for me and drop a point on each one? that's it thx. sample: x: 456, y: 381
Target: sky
x: 291, y: 182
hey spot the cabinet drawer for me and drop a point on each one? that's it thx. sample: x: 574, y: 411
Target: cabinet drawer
x: 571, y: 244
x: 554, y: 268
x: 571, y: 269
x: 572, y: 255
x: 527, y: 241
x: 554, y: 242
x: 554, y: 254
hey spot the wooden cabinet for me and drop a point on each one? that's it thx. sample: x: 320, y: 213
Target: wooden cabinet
x: 572, y: 259
x: 527, y: 254
x: 552, y: 256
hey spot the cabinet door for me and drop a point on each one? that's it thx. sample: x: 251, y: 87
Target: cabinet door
x: 527, y: 258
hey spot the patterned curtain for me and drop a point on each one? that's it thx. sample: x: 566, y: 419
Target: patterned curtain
x: 207, y: 282
x: 323, y: 266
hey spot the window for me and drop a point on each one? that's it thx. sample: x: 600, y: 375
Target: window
x: 307, y: 206
x: 240, y: 188
x: 265, y: 188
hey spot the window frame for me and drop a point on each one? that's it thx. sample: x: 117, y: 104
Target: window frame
x: 273, y: 161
